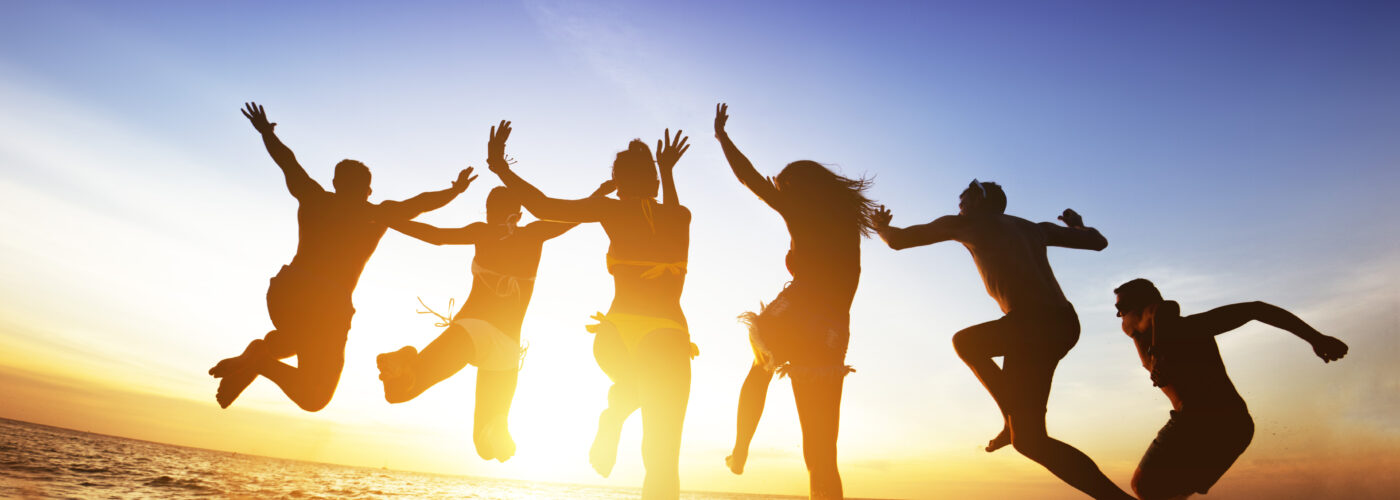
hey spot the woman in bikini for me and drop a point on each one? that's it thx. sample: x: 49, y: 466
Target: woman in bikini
x: 642, y: 343
x: 804, y: 331
x: 486, y: 331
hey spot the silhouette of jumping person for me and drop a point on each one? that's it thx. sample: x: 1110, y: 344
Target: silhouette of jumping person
x: 643, y: 342
x: 309, y: 299
x: 1209, y: 426
x: 803, y: 332
x: 486, y: 331
x: 1039, y: 328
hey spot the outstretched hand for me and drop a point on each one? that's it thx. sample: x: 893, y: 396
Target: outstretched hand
x: 668, y: 152
x: 496, y: 147
x: 464, y: 179
x: 254, y: 112
x: 604, y: 189
x: 1329, y: 348
x: 882, y: 218
x: 1072, y: 219
x: 721, y: 117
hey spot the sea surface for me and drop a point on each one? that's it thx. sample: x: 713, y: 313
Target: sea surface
x: 38, y: 461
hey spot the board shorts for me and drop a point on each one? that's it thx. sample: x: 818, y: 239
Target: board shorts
x: 1194, y: 450
x: 309, y: 311
x: 800, y: 335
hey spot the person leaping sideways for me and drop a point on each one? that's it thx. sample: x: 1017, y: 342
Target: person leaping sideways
x: 1039, y: 328
x: 1209, y: 425
x: 309, y: 299
x: 486, y: 332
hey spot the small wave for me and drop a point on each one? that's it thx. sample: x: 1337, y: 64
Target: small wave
x: 31, y: 468
x: 187, y: 484
x: 92, y: 470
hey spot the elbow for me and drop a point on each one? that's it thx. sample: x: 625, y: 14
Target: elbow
x: 1099, y: 245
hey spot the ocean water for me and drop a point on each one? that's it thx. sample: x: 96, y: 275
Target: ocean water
x: 38, y: 461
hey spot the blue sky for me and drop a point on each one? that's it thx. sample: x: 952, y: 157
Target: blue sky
x: 1230, y: 152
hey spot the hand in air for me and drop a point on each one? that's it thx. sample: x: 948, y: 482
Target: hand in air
x: 1072, y: 219
x: 669, y: 151
x: 496, y: 147
x: 464, y: 179
x: 1329, y: 348
x: 255, y: 114
x: 604, y: 189
x: 721, y: 117
x: 882, y: 218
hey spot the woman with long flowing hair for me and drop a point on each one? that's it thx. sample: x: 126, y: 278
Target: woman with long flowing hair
x: 643, y: 342
x: 803, y: 333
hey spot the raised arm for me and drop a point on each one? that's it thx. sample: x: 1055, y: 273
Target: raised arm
x: 667, y: 154
x: 941, y: 229
x: 547, y: 230
x: 1223, y: 319
x: 428, y: 201
x: 299, y: 183
x: 1073, y: 234
x: 589, y: 209
x: 469, y: 235
x: 743, y: 169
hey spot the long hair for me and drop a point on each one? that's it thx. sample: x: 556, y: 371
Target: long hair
x: 819, y: 188
x: 634, y: 171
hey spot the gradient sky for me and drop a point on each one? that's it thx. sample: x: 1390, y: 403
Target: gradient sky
x: 1229, y: 151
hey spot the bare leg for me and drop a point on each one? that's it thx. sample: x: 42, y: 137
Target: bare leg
x: 407, y: 374
x: 818, y: 400
x: 312, y: 382
x: 664, y: 386
x: 622, y: 401
x: 751, y: 399
x: 491, y: 429
x: 977, y: 345
x: 238, y: 372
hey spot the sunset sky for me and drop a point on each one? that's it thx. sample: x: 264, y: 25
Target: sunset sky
x: 1229, y: 151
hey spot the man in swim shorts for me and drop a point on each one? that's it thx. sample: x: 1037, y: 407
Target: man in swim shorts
x: 1210, y: 425
x: 1039, y: 327
x: 309, y: 299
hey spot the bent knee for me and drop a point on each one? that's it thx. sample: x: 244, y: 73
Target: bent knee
x: 1030, y: 445
x: 1152, y: 486
x: 964, y: 344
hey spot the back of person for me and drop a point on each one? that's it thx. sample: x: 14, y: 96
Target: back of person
x: 824, y: 256
x: 1010, y: 255
x: 504, y: 279
x: 1189, y: 370
x: 645, y: 234
x: 336, y: 239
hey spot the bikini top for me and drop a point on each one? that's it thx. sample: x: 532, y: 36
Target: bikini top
x: 503, y: 285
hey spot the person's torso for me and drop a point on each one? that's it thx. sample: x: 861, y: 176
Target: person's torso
x: 1010, y: 255
x: 336, y: 238
x: 503, y: 279
x: 824, y: 257
x: 1187, y: 366
x: 643, y: 236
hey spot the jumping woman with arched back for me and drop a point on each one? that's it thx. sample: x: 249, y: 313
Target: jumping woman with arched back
x: 486, y: 332
x: 803, y: 333
x: 642, y: 343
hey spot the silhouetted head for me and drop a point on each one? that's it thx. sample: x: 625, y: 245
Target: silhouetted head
x: 982, y: 198
x: 351, y: 179
x: 824, y: 191
x: 634, y: 171
x: 1134, y: 297
x: 502, y: 205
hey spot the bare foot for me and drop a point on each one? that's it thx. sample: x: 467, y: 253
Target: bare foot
x: 495, y: 443
x: 1001, y: 440
x: 603, y: 455
x: 396, y: 370
x: 237, y: 373
x: 736, y: 460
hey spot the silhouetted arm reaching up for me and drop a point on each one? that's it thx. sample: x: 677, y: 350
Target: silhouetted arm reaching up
x: 468, y: 235
x: 429, y: 201
x: 743, y: 169
x: 298, y: 182
x: 941, y: 229
x: 1225, y: 318
x: 589, y: 209
x: 1073, y: 234
x: 667, y: 154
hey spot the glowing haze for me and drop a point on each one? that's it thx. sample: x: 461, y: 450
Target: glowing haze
x: 1229, y: 152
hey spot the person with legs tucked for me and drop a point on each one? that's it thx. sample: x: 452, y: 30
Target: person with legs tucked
x: 643, y: 342
x: 803, y: 333
x: 309, y: 299
x: 1209, y: 426
x: 1039, y: 326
